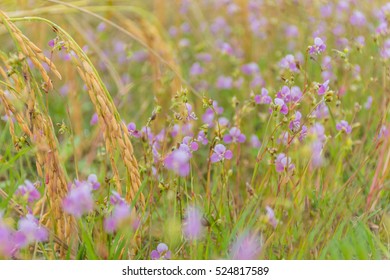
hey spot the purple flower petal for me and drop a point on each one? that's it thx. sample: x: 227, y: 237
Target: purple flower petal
x: 228, y: 154
x: 219, y: 149
x: 154, y: 255
x: 227, y: 139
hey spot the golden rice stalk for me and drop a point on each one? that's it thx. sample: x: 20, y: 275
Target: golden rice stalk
x: 12, y: 113
x: 43, y: 137
x: 30, y: 50
x: 12, y: 85
x: 48, y: 160
x: 114, y: 130
x: 48, y: 167
x: 41, y: 132
x: 8, y: 113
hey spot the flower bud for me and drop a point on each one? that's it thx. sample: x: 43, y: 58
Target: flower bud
x: 329, y: 96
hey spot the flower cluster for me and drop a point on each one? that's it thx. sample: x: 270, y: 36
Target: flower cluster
x: 248, y: 246
x: 192, y: 226
x: 79, y: 200
x: 161, y: 253
x: 29, y: 191
x: 318, y: 47
x: 29, y: 231
x: 283, y: 163
x: 119, y: 215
